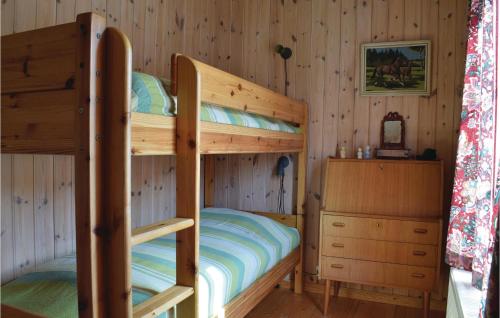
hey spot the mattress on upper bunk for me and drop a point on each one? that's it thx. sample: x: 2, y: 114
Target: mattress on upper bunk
x: 236, y: 248
x: 151, y: 95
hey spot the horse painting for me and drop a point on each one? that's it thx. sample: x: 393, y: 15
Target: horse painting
x: 395, y: 68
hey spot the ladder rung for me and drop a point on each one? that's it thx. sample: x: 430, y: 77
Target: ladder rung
x: 155, y: 230
x: 163, y: 301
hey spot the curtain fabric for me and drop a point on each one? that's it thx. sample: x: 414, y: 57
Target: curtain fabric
x: 474, y: 206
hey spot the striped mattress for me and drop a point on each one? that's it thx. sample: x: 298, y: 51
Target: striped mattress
x: 236, y: 248
x: 151, y: 95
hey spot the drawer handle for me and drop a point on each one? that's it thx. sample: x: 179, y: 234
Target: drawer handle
x: 337, y: 266
x: 418, y: 275
x: 338, y: 224
x: 420, y: 231
x: 337, y: 245
x: 419, y: 253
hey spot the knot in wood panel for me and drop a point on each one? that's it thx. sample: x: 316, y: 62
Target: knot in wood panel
x: 25, y: 67
x: 126, y: 294
x: 192, y: 143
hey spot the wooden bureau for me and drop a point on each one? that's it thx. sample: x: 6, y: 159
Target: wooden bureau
x: 381, y: 224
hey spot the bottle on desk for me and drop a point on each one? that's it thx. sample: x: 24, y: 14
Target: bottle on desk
x: 342, y: 152
x: 368, y: 152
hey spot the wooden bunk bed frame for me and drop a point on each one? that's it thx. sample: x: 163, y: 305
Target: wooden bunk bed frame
x: 66, y: 90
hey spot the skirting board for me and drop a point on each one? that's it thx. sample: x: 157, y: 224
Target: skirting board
x: 368, y: 295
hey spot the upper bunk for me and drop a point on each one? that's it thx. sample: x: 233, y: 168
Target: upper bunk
x: 45, y: 86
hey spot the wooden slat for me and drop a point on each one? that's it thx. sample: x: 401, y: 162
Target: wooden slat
x: 39, y: 60
x: 153, y: 134
x: 138, y: 35
x: 211, y: 127
x: 233, y: 192
x: 348, y: 50
x: 65, y: 11
x: 64, y: 218
x: 88, y: 166
x: 209, y: 180
x: 82, y: 6
x: 24, y: 253
x: 315, y: 124
x: 248, y: 299
x: 230, y: 91
x: 150, y: 30
x: 212, y: 143
x: 301, y: 206
x: 45, y: 13
x: 136, y: 191
x: 163, y: 301
x: 161, y: 192
x: 38, y: 122
x: 259, y: 186
x: 188, y: 182
x: 332, y: 81
x: 158, y: 229
x: 44, y: 208
x: 7, y: 221
x: 147, y: 191
x: 25, y: 13
x: 117, y: 165
x: 8, y: 16
x: 361, y: 103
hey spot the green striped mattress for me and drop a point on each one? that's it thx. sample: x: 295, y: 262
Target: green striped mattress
x: 151, y: 95
x: 236, y: 248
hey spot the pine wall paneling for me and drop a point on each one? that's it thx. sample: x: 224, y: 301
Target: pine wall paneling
x: 239, y: 36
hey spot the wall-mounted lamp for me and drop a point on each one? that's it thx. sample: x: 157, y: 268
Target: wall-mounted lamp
x: 285, y: 53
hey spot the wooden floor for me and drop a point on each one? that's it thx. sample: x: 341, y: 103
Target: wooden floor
x: 284, y: 303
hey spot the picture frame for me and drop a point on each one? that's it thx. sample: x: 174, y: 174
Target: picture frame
x: 396, y: 68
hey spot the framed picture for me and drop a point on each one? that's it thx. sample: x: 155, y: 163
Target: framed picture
x: 396, y: 68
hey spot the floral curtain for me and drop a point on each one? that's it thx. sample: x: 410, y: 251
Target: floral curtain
x: 474, y: 206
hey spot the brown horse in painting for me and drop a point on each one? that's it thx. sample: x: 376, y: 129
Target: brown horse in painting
x: 393, y: 69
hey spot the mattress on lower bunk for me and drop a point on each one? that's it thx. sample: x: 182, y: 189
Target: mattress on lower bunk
x: 151, y: 95
x: 236, y: 248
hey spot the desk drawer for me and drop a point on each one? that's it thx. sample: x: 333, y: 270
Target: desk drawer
x: 410, y: 276
x: 336, y: 268
x: 352, y: 270
x: 381, y: 229
x: 380, y: 251
x: 377, y: 273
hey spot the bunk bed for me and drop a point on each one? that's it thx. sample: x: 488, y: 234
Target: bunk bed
x: 66, y: 90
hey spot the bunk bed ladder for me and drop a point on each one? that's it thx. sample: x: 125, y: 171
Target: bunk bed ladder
x: 186, y: 223
x: 117, y: 199
x: 174, y: 295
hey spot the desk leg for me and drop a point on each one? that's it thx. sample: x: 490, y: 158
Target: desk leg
x: 326, y: 296
x: 336, y: 288
x: 427, y: 303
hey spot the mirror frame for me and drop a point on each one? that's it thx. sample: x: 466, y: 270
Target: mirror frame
x: 392, y: 116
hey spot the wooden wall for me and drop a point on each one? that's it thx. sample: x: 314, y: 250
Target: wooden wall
x: 38, y: 204
x: 239, y: 36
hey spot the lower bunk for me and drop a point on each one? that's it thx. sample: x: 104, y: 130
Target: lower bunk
x: 242, y: 256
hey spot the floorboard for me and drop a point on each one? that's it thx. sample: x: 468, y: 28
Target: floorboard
x: 283, y: 303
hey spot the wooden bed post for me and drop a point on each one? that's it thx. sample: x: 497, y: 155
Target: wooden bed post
x: 88, y: 168
x: 188, y: 181
x: 301, y: 194
x: 209, y: 180
x: 116, y: 187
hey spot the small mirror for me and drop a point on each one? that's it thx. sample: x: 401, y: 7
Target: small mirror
x: 393, y: 132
